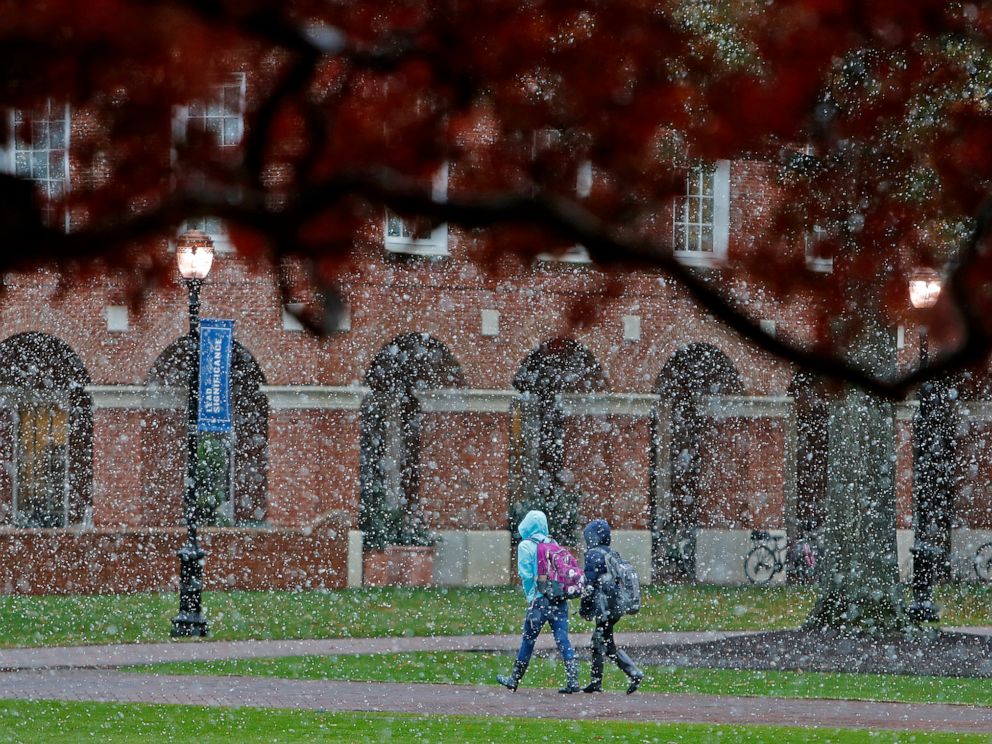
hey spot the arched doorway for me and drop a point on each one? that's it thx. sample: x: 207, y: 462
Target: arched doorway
x: 389, y: 512
x: 46, y: 434
x: 538, y: 479
x: 694, y: 371
x: 233, y: 467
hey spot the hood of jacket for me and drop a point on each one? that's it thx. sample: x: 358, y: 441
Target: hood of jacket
x: 597, y: 534
x: 534, y: 526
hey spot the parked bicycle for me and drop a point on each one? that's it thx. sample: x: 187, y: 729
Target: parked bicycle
x: 983, y: 562
x: 772, y: 554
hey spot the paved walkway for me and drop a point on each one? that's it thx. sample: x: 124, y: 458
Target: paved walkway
x: 433, y: 699
x: 126, y: 654
x: 86, y: 673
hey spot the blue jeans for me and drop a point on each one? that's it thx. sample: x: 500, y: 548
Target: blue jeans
x: 540, y: 612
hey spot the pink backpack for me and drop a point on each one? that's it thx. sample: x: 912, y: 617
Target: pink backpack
x: 558, y: 573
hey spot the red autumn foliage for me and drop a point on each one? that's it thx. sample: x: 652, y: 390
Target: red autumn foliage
x: 874, y: 115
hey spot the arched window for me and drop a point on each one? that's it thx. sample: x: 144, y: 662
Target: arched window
x: 232, y: 467
x: 693, y: 371
x: 537, y: 433
x: 390, y: 445
x: 46, y: 434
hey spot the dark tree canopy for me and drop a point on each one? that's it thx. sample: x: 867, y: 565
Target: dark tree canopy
x: 874, y: 117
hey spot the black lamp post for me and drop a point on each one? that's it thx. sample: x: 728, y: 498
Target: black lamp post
x: 194, y: 254
x: 931, y: 463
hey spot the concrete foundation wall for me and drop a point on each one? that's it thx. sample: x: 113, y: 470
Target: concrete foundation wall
x: 964, y: 543
x: 635, y: 546
x: 904, y: 541
x: 720, y: 555
x: 355, y: 558
x: 472, y: 558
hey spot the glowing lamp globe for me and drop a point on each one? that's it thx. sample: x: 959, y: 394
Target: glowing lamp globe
x: 194, y: 254
x: 924, y: 288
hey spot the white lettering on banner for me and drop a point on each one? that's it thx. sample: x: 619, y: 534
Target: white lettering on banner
x: 214, y: 395
x: 215, y: 376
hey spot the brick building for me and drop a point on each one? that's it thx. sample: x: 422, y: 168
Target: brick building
x: 445, y: 391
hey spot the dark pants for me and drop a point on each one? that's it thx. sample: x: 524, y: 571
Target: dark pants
x: 604, y: 646
x: 554, y: 614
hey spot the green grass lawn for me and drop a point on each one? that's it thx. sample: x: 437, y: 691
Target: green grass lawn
x: 42, y: 721
x: 66, y: 620
x: 481, y: 668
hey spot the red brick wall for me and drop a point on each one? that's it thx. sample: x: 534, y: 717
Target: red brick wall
x: 725, y: 493
x: 118, y: 496
x: 766, y: 472
x: 589, y: 465
x: 742, y: 483
x: 313, y: 464
x: 607, y: 458
x: 973, y: 493
x: 629, y: 453
x: 464, y: 470
x: 119, y: 561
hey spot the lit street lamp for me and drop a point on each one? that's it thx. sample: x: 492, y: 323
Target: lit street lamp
x: 932, y: 450
x: 194, y: 254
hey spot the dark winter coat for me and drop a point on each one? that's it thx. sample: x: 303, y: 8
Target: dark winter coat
x: 595, y: 604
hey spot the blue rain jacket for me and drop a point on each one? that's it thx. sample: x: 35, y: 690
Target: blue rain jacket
x: 533, y: 529
x: 597, y: 535
x: 595, y: 604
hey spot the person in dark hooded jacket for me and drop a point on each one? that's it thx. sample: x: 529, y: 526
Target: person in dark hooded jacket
x: 599, y: 604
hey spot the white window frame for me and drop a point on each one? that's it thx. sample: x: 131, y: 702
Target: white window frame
x: 180, y: 129
x: 578, y: 253
x: 721, y: 219
x: 436, y: 244
x: 822, y: 264
x: 9, y: 150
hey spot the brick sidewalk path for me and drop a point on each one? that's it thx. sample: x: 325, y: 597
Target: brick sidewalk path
x: 126, y: 654
x: 433, y: 699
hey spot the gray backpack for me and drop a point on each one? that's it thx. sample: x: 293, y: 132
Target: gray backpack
x: 621, y: 584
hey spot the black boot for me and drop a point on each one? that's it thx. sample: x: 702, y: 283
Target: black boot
x: 571, y: 677
x: 596, y: 676
x: 511, y: 681
x: 629, y: 668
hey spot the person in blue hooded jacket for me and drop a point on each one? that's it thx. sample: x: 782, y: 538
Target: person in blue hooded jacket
x: 533, y: 529
x: 598, y: 604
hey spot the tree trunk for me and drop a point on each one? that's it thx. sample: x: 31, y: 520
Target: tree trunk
x: 859, y: 590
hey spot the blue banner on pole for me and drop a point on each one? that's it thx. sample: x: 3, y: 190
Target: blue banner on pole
x: 216, y: 342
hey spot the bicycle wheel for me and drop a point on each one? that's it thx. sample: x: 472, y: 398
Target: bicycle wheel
x: 983, y: 562
x: 760, y: 565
